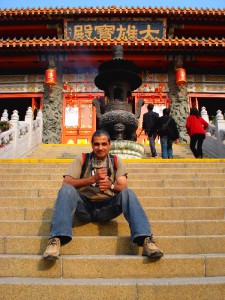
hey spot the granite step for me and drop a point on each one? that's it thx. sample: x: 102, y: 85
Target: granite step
x: 146, y: 201
x: 133, y: 183
x: 114, y: 245
x: 117, y: 227
x: 200, y: 288
x: 154, y: 213
x: 111, y: 266
x: 48, y: 176
x: 140, y: 192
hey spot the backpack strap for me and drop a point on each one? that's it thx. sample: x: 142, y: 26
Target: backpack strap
x: 167, y: 122
x: 164, y: 125
x: 114, y: 160
x: 85, y: 158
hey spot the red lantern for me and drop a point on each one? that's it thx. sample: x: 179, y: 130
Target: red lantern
x: 50, y: 77
x: 181, y: 76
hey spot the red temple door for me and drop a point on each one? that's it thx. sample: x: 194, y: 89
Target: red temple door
x: 79, y: 119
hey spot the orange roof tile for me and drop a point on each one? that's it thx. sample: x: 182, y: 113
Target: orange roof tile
x: 112, y: 10
x: 63, y: 44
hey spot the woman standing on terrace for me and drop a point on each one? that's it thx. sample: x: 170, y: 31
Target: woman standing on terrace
x: 196, y: 128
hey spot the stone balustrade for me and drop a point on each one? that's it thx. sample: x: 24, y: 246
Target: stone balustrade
x: 23, y: 136
x: 214, y: 143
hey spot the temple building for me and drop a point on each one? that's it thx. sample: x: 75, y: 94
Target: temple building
x: 50, y: 58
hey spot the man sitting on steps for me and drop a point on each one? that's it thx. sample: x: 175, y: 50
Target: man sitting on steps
x: 98, y: 194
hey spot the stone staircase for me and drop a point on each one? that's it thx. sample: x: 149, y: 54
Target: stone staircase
x: 183, y: 198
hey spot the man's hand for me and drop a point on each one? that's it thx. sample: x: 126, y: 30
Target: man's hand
x: 100, y: 174
x: 104, y: 184
x: 102, y: 179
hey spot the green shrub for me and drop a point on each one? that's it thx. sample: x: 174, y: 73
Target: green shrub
x: 4, y: 126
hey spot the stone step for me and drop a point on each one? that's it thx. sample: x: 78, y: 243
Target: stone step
x: 61, y: 150
x: 200, y: 288
x: 106, y: 245
x: 117, y: 227
x: 21, y: 170
x: 141, y: 192
x: 111, y: 266
x: 67, y: 151
x: 55, y: 162
x: 47, y: 176
x: 154, y: 213
x: 140, y: 165
x: 166, y: 201
x: 133, y: 183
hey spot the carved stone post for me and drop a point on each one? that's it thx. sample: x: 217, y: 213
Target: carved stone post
x: 179, y: 99
x: 29, y: 120
x: 40, y: 118
x: 5, y: 115
x: 52, y: 109
x: 204, y: 114
x: 220, y: 125
x: 14, y: 122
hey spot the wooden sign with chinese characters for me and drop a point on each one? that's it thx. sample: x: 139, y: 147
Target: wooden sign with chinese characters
x: 115, y: 30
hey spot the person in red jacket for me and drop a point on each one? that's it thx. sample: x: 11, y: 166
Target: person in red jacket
x: 196, y: 128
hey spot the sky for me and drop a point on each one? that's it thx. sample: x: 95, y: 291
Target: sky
x: 218, y: 4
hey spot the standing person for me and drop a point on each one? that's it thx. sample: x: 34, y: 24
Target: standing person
x: 166, y: 128
x: 98, y: 194
x: 149, y: 119
x: 196, y: 128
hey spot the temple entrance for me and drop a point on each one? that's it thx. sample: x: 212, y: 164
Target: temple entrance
x: 159, y: 104
x: 79, y: 119
x: 20, y: 102
x: 212, y: 103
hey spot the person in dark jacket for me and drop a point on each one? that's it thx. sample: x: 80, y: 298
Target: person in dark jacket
x: 166, y: 128
x: 196, y: 127
x: 149, y: 119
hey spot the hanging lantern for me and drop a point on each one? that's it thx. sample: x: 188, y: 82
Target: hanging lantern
x: 50, y: 77
x: 181, y: 77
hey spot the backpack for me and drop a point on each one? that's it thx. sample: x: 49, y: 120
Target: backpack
x: 163, y: 129
x: 85, y: 159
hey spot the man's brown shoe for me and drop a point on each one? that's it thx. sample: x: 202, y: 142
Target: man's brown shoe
x: 52, y: 250
x: 150, y: 249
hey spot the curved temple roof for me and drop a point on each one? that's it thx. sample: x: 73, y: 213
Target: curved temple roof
x: 139, y: 11
x: 163, y: 44
x: 35, y: 33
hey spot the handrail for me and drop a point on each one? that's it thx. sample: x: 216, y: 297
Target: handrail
x: 23, y: 137
x: 214, y: 143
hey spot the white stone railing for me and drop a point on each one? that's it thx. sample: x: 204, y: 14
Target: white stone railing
x: 23, y: 136
x: 214, y: 143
